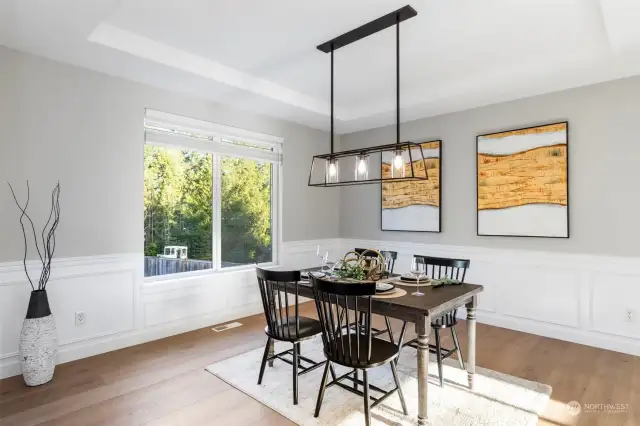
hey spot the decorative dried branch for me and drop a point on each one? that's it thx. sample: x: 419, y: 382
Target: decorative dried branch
x: 48, y: 244
x: 24, y: 234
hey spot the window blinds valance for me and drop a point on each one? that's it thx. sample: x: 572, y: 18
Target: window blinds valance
x: 172, y: 130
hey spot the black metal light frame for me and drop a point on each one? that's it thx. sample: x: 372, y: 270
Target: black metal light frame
x: 408, y: 146
x: 386, y: 21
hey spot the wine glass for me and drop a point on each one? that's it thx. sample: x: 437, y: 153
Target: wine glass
x: 325, y: 262
x: 324, y: 258
x: 417, y: 269
x: 336, y: 267
x: 387, y: 263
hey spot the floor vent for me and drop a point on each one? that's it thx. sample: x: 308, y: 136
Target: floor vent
x: 219, y: 328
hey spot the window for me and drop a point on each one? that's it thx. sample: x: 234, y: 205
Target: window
x: 245, y: 211
x: 210, y: 196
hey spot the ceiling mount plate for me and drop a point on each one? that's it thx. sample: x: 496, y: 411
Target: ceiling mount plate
x: 366, y: 30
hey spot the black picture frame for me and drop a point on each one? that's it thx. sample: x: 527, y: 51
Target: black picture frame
x: 440, y: 150
x: 566, y: 123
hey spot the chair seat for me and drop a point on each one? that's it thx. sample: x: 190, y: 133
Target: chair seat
x: 308, y: 327
x: 447, y: 320
x: 382, y: 352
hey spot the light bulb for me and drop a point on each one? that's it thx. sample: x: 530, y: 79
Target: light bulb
x: 397, y: 162
x: 397, y: 171
x: 331, y: 173
x: 362, y: 167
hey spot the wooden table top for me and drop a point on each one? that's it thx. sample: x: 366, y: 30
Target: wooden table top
x: 435, y: 301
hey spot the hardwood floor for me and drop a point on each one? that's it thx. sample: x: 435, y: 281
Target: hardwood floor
x: 164, y: 382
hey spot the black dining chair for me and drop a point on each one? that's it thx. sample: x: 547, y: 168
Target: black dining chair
x: 437, y: 268
x: 284, y: 322
x: 338, y: 304
x: 391, y: 257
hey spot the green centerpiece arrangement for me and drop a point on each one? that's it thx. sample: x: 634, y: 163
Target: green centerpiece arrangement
x: 444, y: 281
x: 354, y: 272
x: 368, y: 265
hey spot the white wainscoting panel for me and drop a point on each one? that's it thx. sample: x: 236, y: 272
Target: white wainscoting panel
x: 553, y: 295
x: 587, y: 299
x: 196, y: 296
x: 124, y: 309
x: 591, y: 300
x: 103, y: 287
x: 107, y: 300
x: 615, y: 304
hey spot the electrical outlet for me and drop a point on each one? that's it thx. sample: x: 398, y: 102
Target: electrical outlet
x: 81, y: 317
x: 631, y: 315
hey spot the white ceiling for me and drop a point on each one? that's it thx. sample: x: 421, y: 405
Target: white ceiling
x: 260, y: 55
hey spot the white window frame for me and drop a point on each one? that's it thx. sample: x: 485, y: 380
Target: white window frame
x: 211, y: 140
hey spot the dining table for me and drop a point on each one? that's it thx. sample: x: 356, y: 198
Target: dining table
x: 421, y: 310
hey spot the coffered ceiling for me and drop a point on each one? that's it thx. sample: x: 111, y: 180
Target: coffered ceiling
x: 260, y: 55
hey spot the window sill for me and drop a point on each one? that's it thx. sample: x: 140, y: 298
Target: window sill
x: 182, y: 279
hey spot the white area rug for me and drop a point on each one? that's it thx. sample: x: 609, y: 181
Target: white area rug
x: 498, y: 399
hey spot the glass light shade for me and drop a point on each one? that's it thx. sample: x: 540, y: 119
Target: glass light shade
x: 369, y: 165
x: 362, y: 167
x: 397, y: 165
x: 332, y: 172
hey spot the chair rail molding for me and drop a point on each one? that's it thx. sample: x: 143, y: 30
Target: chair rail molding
x: 581, y: 298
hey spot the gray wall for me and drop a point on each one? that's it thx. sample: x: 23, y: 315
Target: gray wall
x: 86, y: 129
x: 604, y: 156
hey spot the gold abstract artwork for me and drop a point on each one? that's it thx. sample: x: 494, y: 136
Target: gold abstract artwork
x: 534, y: 176
x: 402, y: 194
x: 523, y: 182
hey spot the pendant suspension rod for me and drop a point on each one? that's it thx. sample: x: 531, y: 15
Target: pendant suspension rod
x: 398, y: 79
x: 332, y: 98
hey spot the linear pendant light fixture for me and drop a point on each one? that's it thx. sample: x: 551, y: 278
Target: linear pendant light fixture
x: 400, y: 161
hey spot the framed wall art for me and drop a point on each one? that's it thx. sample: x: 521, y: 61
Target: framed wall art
x: 413, y: 206
x: 523, y: 182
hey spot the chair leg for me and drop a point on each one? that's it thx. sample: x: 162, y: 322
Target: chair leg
x: 386, y: 319
x: 356, y: 376
x: 400, y: 394
x: 401, y: 338
x: 323, y: 386
x: 264, y: 360
x: 295, y: 374
x: 299, y: 353
x: 367, y: 408
x: 333, y: 373
x: 439, y: 356
x: 400, y: 341
x: 455, y: 342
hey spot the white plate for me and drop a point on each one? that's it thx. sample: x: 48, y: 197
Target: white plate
x: 384, y: 287
x: 317, y: 274
x: 410, y: 278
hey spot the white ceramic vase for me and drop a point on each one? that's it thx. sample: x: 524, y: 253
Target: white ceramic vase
x: 38, y: 341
